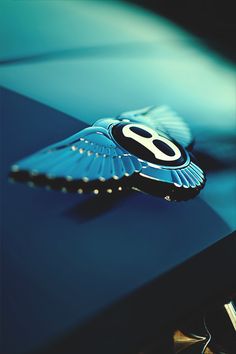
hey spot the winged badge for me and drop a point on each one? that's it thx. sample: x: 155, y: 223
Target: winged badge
x: 147, y: 150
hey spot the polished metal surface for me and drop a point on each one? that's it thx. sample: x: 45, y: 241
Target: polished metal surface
x: 145, y: 150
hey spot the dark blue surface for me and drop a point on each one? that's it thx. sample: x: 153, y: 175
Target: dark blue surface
x: 68, y: 257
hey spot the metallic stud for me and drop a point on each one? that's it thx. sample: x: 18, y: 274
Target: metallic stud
x: 34, y: 173
x: 168, y: 198
x: 49, y: 176
x: 15, y: 168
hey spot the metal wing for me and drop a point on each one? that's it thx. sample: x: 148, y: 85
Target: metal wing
x: 83, y: 162
x: 164, y: 119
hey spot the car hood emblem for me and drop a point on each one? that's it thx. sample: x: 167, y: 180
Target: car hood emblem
x: 146, y: 150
